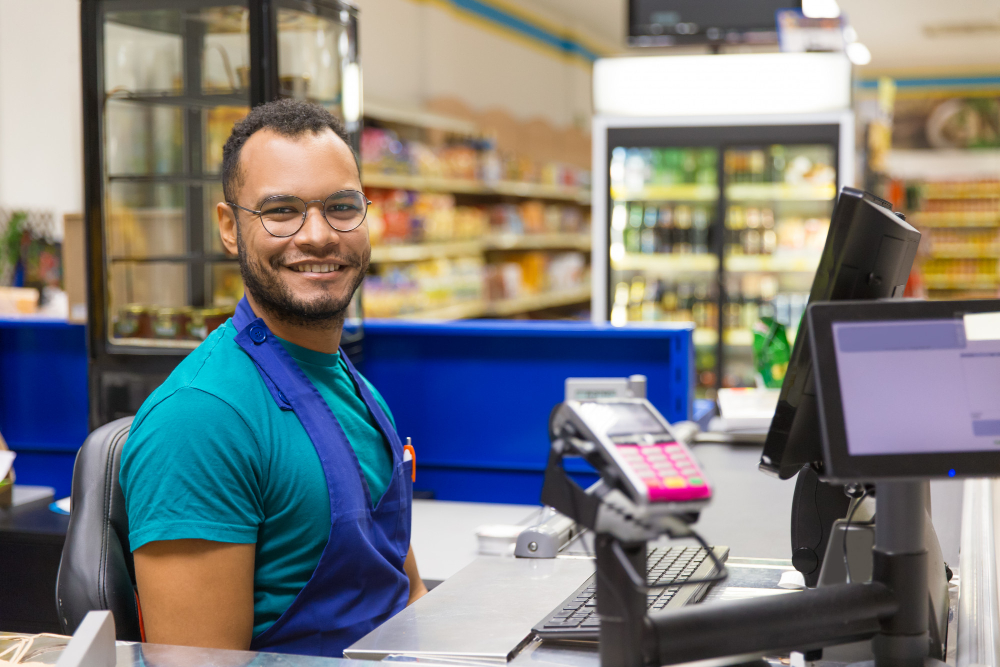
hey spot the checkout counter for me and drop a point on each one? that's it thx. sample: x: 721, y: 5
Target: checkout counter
x: 483, y: 614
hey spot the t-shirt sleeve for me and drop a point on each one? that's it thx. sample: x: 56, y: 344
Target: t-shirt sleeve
x: 191, y: 469
x: 381, y: 401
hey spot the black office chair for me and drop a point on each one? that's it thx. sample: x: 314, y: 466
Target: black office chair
x: 96, y: 571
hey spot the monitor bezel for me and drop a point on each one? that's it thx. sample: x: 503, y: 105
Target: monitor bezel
x: 841, y: 466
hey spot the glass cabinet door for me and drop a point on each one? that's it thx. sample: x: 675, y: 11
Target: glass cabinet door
x: 663, y: 246
x: 778, y: 200
x: 317, y: 60
x: 175, y: 81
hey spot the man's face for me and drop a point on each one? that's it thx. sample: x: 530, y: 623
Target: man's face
x: 308, y: 277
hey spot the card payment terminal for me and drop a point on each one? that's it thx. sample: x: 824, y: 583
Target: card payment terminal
x: 636, y: 444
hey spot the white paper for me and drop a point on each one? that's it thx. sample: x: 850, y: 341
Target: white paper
x: 6, y: 461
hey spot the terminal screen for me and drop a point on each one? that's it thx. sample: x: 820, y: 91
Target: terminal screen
x: 615, y: 419
x: 920, y: 386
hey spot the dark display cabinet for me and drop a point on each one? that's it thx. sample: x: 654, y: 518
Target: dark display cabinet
x: 164, y: 81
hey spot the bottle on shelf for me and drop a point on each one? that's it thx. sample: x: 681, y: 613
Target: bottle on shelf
x: 699, y: 227
x: 682, y: 230
x: 665, y: 227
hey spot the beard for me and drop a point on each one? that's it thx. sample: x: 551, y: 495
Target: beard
x: 261, y: 280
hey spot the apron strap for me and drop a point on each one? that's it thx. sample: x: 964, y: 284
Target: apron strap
x: 380, y: 417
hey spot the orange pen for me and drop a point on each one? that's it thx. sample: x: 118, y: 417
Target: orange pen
x: 408, y: 447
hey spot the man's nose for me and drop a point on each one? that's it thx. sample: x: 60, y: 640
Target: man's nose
x: 316, y: 231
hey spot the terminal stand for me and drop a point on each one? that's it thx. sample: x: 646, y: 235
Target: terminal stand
x: 891, y: 610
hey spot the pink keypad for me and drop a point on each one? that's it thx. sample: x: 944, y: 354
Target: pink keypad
x: 668, y: 471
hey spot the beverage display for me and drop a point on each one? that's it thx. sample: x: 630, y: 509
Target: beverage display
x: 663, y: 242
x: 779, y: 199
x: 719, y: 236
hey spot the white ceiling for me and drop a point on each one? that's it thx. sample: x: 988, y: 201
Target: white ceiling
x: 893, y: 30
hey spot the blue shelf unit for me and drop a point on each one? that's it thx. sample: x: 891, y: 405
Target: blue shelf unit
x: 474, y: 396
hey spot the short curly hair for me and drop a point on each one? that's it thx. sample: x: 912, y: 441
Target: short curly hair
x: 287, y: 117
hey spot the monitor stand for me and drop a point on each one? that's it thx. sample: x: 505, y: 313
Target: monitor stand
x: 899, y: 561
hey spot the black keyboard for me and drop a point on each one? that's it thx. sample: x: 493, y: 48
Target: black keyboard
x: 577, y: 618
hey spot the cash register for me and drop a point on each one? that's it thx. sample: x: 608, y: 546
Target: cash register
x: 906, y: 391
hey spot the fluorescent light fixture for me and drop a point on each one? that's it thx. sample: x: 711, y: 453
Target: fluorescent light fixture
x: 351, y: 96
x: 821, y: 9
x: 737, y: 84
x: 858, y: 53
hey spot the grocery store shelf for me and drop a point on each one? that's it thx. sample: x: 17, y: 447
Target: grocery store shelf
x: 537, y: 241
x: 733, y: 337
x: 955, y: 251
x: 957, y: 219
x: 666, y: 263
x: 475, y: 187
x: 504, y: 307
x: 417, y: 252
x: 962, y: 190
x: 527, y: 304
x: 962, y: 282
x: 780, y: 191
x: 677, y: 192
x: 775, y: 263
x: 456, y: 311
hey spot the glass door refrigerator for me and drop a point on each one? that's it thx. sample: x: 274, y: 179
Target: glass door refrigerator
x: 164, y: 82
x: 719, y: 223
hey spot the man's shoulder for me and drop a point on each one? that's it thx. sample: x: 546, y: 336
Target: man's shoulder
x: 216, y: 371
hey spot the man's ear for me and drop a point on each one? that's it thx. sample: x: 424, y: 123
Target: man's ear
x: 227, y: 227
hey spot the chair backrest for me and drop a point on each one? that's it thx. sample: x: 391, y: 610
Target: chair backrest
x: 96, y: 571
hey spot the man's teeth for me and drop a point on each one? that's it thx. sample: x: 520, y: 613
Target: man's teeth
x: 316, y: 268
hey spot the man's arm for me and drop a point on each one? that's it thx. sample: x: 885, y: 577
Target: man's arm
x: 199, y: 593
x: 417, y: 588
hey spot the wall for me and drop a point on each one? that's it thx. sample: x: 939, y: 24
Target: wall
x: 413, y: 51
x: 41, y: 152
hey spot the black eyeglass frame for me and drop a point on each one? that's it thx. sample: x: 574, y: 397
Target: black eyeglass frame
x: 305, y: 212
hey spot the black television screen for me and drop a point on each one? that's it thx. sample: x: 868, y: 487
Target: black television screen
x: 678, y: 22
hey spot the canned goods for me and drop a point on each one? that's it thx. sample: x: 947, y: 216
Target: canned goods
x: 165, y: 324
x: 196, y: 329
x: 133, y: 321
x: 216, y: 317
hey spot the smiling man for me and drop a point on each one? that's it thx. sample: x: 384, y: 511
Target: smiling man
x: 267, y: 491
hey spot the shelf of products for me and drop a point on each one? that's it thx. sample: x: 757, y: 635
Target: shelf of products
x: 781, y: 192
x: 669, y: 252
x: 959, y: 254
x: 666, y: 263
x: 461, y: 229
x: 475, y: 187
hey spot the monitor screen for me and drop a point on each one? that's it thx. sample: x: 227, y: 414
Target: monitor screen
x: 938, y: 389
x: 615, y: 419
x: 907, y: 388
x: 670, y: 22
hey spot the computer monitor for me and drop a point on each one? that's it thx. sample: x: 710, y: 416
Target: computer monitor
x: 908, y: 389
x: 868, y: 254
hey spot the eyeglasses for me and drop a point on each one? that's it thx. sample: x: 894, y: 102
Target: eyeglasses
x: 284, y: 215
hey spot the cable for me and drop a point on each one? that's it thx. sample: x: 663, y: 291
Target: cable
x: 847, y: 528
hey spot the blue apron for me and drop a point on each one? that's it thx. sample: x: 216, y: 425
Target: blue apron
x: 359, y: 582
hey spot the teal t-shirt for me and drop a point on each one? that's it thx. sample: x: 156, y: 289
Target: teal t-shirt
x: 211, y: 456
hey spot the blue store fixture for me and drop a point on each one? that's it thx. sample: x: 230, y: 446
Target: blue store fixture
x: 475, y: 396
x: 43, y: 398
